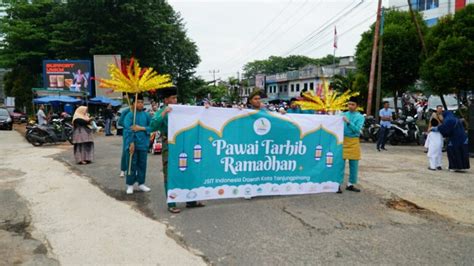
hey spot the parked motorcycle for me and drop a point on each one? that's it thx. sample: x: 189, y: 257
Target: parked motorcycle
x: 370, y: 130
x: 404, y: 130
x: 57, y: 131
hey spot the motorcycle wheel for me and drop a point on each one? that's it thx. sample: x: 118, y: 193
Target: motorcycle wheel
x: 33, y: 142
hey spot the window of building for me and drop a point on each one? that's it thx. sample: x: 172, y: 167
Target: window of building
x: 311, y: 86
x: 292, y: 87
x: 286, y: 88
x: 305, y: 86
x: 298, y: 87
x: 280, y: 88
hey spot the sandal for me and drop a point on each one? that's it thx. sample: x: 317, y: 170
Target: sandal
x: 174, y: 210
x: 195, y: 205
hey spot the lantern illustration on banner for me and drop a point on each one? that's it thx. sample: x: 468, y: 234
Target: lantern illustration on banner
x: 183, y: 161
x: 318, y: 152
x: 329, y: 159
x: 197, y: 153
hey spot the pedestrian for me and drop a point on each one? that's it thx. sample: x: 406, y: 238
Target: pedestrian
x: 108, y: 116
x: 160, y: 122
x: 353, y: 122
x: 137, y: 137
x: 82, y: 136
x: 42, y: 119
x: 434, y: 144
x: 385, y: 124
x: 438, y: 115
x: 255, y: 100
x: 458, y: 150
x: 295, y: 109
x: 123, y: 160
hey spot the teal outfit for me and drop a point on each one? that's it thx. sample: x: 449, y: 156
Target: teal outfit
x: 141, y: 139
x: 123, y: 161
x: 299, y: 111
x: 352, y: 143
x: 161, y: 123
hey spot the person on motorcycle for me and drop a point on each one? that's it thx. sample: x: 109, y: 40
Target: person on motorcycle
x: 386, y: 117
x: 42, y: 119
x: 353, y: 122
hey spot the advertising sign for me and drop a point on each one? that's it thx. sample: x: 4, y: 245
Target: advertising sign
x: 101, y: 67
x: 66, y: 75
x: 219, y: 153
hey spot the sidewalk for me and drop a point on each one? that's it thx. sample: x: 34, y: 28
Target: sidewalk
x: 81, y: 223
x: 402, y: 170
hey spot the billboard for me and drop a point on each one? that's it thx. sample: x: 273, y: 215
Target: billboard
x: 67, y: 75
x: 101, y: 66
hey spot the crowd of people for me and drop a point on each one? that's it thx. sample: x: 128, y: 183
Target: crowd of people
x: 137, y: 127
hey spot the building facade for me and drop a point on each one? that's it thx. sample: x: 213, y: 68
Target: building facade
x: 432, y: 10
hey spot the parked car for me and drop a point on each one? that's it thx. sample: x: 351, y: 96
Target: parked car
x: 6, y: 121
x: 451, y: 102
x: 18, y: 116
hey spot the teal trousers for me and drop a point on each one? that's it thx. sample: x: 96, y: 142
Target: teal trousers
x: 353, y: 171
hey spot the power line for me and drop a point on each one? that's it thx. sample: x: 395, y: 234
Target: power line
x: 310, y: 45
x: 245, y: 56
x: 256, y: 37
x: 328, y: 23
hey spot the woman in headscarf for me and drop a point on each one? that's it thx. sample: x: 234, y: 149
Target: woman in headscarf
x: 458, y: 150
x: 82, y: 136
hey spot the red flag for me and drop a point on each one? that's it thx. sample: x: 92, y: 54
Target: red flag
x: 335, y: 37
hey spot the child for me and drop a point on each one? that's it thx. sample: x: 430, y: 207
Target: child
x: 434, y: 144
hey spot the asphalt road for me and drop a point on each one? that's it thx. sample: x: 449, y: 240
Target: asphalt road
x: 371, y: 227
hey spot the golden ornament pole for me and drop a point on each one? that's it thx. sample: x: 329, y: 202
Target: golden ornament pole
x: 134, y: 119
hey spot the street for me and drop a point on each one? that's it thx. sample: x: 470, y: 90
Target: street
x: 404, y: 215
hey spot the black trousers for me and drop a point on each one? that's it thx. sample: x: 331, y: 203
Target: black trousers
x: 383, y: 134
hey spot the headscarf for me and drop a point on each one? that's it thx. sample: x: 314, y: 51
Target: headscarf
x: 81, y: 113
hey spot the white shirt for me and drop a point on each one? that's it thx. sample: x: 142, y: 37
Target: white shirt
x: 41, y: 117
x: 434, y: 143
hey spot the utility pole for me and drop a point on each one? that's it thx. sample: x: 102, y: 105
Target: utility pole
x: 374, y: 59
x: 418, y: 29
x: 379, y: 70
x: 213, y: 72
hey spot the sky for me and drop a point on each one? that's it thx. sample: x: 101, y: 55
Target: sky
x: 230, y: 33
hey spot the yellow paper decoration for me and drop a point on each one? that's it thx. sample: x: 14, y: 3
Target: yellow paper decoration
x: 330, y: 101
x: 134, y: 79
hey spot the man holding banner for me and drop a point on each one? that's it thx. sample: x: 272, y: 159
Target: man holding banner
x: 352, y: 126
x: 160, y: 122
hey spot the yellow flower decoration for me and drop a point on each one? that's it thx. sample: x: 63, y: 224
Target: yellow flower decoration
x: 134, y: 79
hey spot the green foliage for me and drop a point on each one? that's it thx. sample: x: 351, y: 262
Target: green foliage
x: 449, y: 67
x: 149, y: 30
x: 401, y: 52
x: 277, y: 64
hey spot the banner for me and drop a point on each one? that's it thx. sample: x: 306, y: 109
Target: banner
x: 69, y: 75
x: 221, y: 153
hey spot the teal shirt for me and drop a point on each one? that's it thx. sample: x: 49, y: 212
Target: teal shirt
x: 140, y: 138
x: 160, y: 123
x: 356, y: 122
x: 122, y: 116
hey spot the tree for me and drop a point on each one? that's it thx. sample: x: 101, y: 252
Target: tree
x: 149, y: 30
x: 449, y: 67
x: 277, y: 64
x: 401, y: 52
x: 25, y: 31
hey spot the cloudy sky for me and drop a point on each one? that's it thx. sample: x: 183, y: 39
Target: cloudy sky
x: 230, y: 33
